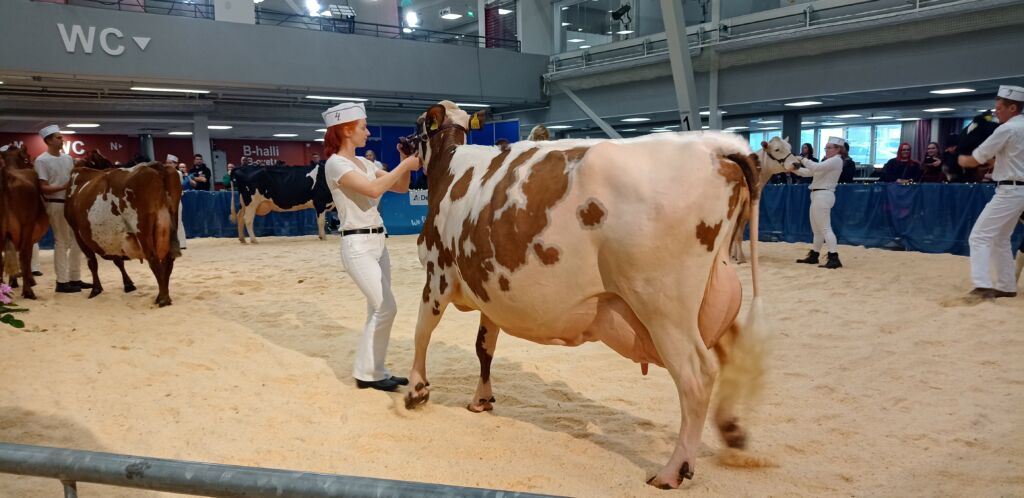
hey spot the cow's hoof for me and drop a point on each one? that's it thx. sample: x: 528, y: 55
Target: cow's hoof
x: 161, y: 302
x: 241, y: 241
x: 129, y: 288
x: 672, y: 482
x: 13, y: 283
x: 28, y: 294
x: 413, y: 400
x: 482, y: 405
x: 96, y: 290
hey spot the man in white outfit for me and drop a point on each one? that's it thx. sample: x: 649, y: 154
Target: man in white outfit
x: 823, y: 187
x: 172, y: 161
x: 990, y: 237
x: 54, y: 170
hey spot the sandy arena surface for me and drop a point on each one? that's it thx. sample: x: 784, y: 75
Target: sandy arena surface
x: 875, y: 387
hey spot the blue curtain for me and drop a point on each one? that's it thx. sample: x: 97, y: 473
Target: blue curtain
x: 934, y: 218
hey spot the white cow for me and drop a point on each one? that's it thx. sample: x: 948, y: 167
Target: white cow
x: 619, y: 241
x: 773, y: 156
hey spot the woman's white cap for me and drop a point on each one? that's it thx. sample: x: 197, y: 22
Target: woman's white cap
x: 343, y: 113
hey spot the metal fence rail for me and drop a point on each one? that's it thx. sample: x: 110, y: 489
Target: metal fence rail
x: 205, y: 479
x: 202, y: 9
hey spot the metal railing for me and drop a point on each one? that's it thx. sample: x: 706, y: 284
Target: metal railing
x: 205, y: 479
x: 201, y: 9
x: 774, y: 22
x: 275, y: 18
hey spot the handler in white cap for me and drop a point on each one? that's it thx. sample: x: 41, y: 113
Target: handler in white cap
x: 54, y: 170
x: 823, y: 187
x: 172, y: 161
x: 990, y: 237
x: 357, y: 185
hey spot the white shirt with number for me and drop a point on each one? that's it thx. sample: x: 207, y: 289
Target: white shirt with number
x: 1006, y: 145
x: 55, y: 170
x: 354, y: 210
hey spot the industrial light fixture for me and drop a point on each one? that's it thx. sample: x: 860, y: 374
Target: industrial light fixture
x: 68, y: 132
x: 576, y: 40
x: 564, y: 24
x: 659, y: 130
x: 847, y: 116
x: 708, y: 113
x: 83, y: 125
x: 624, y: 32
x: 559, y: 127
x: 412, y: 19
x: 940, y: 109
x: 329, y: 97
x: 321, y: 130
x: 873, y: 118
x: 504, y: 12
x: 628, y: 129
x: 318, y: 140
x: 286, y: 135
x: 463, y: 104
x: 805, y: 123
x: 172, y: 90
x: 767, y: 128
x: 908, y: 119
x: 584, y: 46
x: 736, y: 128
x: 802, y: 103
x: 635, y: 120
x: 219, y: 127
x: 313, y: 7
x: 833, y: 123
x: 447, y: 14
x: 565, y: 8
x: 257, y: 1
x: 952, y: 91
x: 705, y: 127
x: 181, y: 133
x: 771, y: 121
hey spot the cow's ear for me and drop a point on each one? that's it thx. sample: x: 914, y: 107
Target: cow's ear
x: 476, y: 121
x: 435, y: 117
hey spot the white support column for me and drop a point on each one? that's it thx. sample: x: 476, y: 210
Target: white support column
x: 682, y: 66
x: 201, y: 139
x: 714, y: 117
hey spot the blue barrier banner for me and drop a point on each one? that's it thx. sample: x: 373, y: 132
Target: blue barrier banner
x: 933, y: 218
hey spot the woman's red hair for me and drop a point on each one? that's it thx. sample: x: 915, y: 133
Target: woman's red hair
x: 335, y: 136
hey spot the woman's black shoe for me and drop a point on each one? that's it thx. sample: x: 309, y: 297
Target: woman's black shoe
x: 380, y: 385
x: 37, y: 273
x: 68, y: 288
x: 80, y: 284
x: 402, y: 381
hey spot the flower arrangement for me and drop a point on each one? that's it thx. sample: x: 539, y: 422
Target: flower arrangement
x: 7, y: 310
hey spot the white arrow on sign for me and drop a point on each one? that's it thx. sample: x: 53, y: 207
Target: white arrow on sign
x: 141, y: 41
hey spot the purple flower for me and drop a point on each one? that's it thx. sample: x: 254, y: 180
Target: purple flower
x: 6, y: 289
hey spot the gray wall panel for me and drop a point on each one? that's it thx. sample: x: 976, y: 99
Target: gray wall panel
x: 203, y: 51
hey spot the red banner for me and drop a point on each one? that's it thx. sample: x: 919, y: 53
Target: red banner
x: 180, y: 147
x: 116, y: 148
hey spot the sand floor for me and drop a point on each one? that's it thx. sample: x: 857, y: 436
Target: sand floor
x: 875, y: 387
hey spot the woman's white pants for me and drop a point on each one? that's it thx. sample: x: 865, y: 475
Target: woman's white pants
x: 821, y: 219
x: 365, y: 258
x: 990, y: 240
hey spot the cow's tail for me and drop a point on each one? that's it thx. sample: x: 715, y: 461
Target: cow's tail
x: 742, y: 377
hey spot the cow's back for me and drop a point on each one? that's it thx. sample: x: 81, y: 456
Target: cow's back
x: 553, y: 211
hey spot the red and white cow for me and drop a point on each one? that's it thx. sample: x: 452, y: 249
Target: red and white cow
x: 774, y: 155
x: 23, y: 220
x: 619, y: 241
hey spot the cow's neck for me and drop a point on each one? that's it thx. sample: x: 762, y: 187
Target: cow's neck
x: 440, y: 161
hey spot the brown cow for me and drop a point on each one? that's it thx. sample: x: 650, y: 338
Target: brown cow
x: 122, y: 214
x: 23, y: 220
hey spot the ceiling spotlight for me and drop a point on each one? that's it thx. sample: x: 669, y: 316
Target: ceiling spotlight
x: 412, y: 19
x: 504, y: 12
x: 802, y: 103
x: 952, y: 91
x: 451, y: 16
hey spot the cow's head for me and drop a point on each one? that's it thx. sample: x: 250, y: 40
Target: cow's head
x: 444, y: 126
x: 95, y: 160
x: 16, y: 157
x: 776, y: 156
x: 980, y: 128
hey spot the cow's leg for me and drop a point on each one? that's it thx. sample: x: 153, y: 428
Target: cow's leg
x: 728, y: 393
x: 736, y: 249
x: 97, y: 287
x: 25, y: 258
x: 320, y: 219
x: 486, y: 340
x: 250, y: 218
x: 240, y: 222
x: 162, y: 272
x: 428, y: 319
x: 129, y: 286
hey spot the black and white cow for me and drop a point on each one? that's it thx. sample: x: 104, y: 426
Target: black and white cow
x: 263, y: 189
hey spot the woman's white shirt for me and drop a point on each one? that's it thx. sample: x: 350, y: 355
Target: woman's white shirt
x: 354, y: 209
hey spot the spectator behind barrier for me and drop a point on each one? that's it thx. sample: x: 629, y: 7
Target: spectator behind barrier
x: 226, y: 179
x: 953, y: 171
x: 932, y: 165
x: 901, y: 169
x: 502, y: 144
x: 539, y: 133
x: 316, y: 161
x: 849, y: 165
x: 200, y: 178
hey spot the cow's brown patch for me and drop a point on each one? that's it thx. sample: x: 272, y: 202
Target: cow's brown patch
x: 507, y: 238
x: 437, y: 308
x: 707, y: 234
x: 503, y: 283
x: 443, y: 285
x: 495, y: 165
x: 734, y: 178
x: 426, y: 287
x: 462, y: 186
x: 591, y: 214
x: 576, y: 154
x: 547, y: 255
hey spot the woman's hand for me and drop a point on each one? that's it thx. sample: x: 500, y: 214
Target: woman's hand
x: 410, y: 163
x: 401, y: 153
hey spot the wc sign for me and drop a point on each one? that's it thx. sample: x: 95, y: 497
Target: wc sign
x: 76, y: 37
